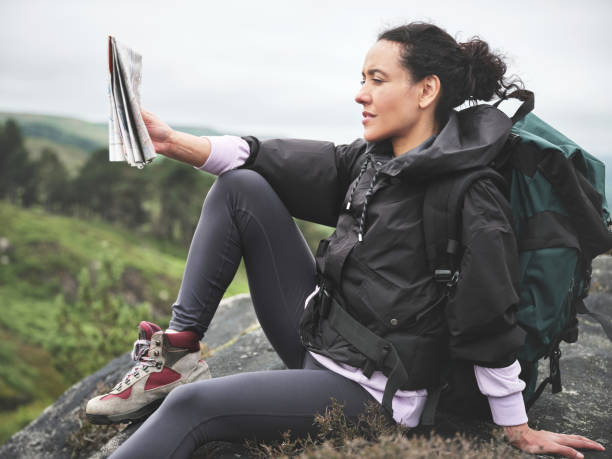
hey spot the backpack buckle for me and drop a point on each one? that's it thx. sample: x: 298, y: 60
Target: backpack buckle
x: 446, y: 276
x: 324, y: 300
x: 555, y: 370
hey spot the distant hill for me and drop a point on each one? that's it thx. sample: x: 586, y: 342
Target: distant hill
x: 71, y: 138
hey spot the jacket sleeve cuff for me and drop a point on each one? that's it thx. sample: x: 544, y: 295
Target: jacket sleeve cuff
x: 254, y: 144
x: 227, y: 152
x: 508, y: 410
x: 503, y: 389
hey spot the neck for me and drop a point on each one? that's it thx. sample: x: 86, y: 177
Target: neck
x: 417, y: 135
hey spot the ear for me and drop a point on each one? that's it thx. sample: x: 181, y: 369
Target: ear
x: 429, y: 91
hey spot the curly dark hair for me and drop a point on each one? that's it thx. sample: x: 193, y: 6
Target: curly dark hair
x: 467, y: 71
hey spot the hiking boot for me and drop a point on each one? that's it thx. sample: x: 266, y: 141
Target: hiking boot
x: 165, y: 361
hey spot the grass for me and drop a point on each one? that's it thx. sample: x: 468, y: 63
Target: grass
x: 28, y: 382
x: 14, y: 421
x: 49, y: 246
x: 41, y: 257
x: 42, y: 236
x: 373, y: 436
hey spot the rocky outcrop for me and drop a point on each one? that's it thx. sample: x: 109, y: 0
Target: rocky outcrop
x: 236, y: 343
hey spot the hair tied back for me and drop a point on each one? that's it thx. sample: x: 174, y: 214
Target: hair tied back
x: 467, y: 71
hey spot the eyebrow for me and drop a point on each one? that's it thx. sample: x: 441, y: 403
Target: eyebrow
x: 373, y: 71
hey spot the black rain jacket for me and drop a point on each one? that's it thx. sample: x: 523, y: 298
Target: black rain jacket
x: 374, y: 265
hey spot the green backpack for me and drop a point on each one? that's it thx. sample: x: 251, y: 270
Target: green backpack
x: 561, y: 218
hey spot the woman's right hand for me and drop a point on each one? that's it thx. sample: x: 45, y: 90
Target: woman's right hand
x: 159, y: 131
x: 177, y: 145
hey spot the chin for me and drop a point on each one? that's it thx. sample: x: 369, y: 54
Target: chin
x: 370, y: 136
x: 373, y: 136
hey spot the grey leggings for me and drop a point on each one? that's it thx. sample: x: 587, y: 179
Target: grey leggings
x: 243, y: 217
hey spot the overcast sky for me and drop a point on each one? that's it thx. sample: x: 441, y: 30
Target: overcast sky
x: 291, y: 68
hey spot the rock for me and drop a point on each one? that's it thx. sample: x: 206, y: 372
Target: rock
x: 6, y: 251
x: 55, y: 433
x: 584, y: 407
x: 5, y: 245
x: 48, y: 434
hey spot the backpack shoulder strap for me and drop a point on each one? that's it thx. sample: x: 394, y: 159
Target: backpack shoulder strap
x: 442, y: 224
x: 442, y: 212
x: 443, y: 202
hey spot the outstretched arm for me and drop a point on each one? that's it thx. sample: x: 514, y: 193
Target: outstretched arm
x: 311, y: 177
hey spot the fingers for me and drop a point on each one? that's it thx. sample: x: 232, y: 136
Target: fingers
x: 542, y: 441
x: 566, y: 451
x: 550, y: 443
x: 145, y: 114
x: 578, y: 441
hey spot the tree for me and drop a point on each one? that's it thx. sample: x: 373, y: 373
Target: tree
x: 112, y: 190
x: 181, y: 190
x: 53, y: 180
x: 17, y: 180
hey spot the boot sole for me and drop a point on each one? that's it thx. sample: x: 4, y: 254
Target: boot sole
x: 132, y: 416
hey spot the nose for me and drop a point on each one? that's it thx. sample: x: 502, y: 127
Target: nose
x: 363, y: 96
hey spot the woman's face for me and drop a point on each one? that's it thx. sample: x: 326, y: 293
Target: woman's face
x: 388, y: 96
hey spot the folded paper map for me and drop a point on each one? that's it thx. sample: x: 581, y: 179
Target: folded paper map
x: 128, y: 138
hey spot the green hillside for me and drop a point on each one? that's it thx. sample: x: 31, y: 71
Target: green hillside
x: 72, y: 157
x: 72, y: 139
x: 64, y: 130
x: 60, y: 278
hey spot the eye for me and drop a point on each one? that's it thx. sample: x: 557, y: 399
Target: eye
x: 375, y: 80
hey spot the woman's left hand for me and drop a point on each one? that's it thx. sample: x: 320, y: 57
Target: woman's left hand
x: 542, y: 441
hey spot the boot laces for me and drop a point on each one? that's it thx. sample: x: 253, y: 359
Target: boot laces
x: 139, y: 354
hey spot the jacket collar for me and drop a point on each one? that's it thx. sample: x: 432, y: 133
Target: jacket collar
x: 471, y: 138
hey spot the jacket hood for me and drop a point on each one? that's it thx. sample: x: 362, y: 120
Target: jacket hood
x: 471, y: 137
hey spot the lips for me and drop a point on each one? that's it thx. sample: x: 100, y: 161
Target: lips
x: 367, y: 116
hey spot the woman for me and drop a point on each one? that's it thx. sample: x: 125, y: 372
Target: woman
x: 370, y: 277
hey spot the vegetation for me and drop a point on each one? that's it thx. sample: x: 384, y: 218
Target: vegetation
x: 72, y: 139
x: 62, y: 130
x: 334, y: 436
x: 67, y: 309
x: 159, y: 201
x: 89, y: 438
x: 93, y: 327
x: 83, y: 258
x: 373, y: 436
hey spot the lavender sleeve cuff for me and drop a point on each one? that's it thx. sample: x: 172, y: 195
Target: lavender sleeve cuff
x: 227, y: 152
x: 503, y: 388
x: 508, y: 410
